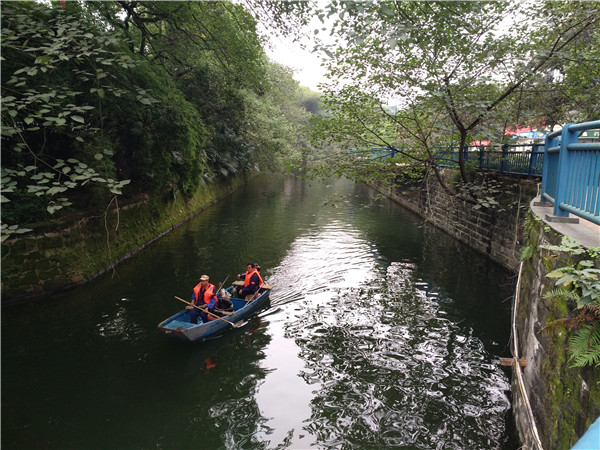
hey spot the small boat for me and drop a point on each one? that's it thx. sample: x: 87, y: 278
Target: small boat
x: 180, y: 327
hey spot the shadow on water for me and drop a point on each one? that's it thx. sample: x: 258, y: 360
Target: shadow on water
x: 382, y: 332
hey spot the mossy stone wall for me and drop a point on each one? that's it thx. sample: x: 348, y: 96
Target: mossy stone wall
x: 495, y: 232
x: 565, y: 401
x: 50, y: 261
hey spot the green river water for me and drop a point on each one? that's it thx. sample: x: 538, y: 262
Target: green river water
x: 381, y: 332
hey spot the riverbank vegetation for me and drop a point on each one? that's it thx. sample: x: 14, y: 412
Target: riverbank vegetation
x: 423, y: 77
x: 420, y: 77
x: 109, y: 101
x: 104, y: 103
x: 576, y: 284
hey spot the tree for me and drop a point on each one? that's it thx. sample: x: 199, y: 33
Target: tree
x: 448, y: 67
x: 164, y: 97
x: 55, y: 78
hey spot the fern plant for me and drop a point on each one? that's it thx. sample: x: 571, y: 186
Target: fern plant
x: 580, y: 284
x: 584, y: 346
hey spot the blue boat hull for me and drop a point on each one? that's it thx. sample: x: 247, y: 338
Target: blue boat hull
x: 180, y: 327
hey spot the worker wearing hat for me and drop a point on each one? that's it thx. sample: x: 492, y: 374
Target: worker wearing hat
x: 204, y: 296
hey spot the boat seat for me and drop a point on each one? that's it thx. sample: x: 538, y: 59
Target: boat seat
x: 174, y: 325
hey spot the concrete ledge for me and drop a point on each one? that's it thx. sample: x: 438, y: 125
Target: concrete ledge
x: 560, y: 219
x: 584, y: 231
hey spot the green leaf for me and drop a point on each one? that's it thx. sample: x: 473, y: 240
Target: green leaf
x: 555, y: 274
x: 527, y: 252
x: 566, y: 280
x: 55, y: 190
x: 43, y: 59
x: 78, y: 119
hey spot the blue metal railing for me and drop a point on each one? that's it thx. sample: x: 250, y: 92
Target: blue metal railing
x: 516, y: 159
x: 571, y: 176
x: 570, y: 170
x: 383, y: 152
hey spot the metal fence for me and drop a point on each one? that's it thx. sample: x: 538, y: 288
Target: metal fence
x: 515, y: 159
x: 571, y: 176
x: 570, y: 170
x: 383, y: 153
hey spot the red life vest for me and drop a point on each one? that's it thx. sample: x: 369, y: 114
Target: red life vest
x: 249, y: 275
x: 208, y: 292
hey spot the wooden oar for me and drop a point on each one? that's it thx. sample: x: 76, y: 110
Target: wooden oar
x: 234, y: 325
x: 222, y: 283
x: 255, y: 295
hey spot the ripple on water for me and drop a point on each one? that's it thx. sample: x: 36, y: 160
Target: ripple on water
x: 391, y: 368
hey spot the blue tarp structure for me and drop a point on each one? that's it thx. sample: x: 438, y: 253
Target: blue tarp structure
x: 591, y: 439
x: 530, y: 135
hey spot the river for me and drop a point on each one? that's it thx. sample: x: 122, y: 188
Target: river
x: 381, y: 332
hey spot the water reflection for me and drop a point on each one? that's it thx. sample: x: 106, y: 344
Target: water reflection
x: 382, y: 332
x: 384, y: 362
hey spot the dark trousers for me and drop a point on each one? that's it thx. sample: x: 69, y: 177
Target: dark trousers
x: 242, y: 292
x: 195, y: 313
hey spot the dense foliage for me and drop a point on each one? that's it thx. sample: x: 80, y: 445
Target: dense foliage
x: 421, y: 76
x: 578, y: 283
x: 128, y: 98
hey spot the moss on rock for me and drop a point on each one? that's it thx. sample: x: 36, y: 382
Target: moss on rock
x: 60, y: 258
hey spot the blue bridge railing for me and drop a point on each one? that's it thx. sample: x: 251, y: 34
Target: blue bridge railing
x: 383, y: 152
x: 515, y: 159
x: 571, y: 176
x: 570, y: 170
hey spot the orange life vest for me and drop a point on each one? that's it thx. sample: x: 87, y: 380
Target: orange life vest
x: 208, y: 292
x: 249, y: 275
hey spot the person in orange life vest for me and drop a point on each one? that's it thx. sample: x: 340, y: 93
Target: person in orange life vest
x: 204, y: 295
x: 252, y: 280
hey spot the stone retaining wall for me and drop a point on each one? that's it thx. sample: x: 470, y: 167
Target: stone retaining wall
x: 564, y: 401
x: 495, y: 232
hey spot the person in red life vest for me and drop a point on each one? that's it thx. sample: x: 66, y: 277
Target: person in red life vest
x: 205, y: 296
x: 252, y: 280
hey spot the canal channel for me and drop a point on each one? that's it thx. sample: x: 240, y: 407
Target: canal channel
x: 381, y: 332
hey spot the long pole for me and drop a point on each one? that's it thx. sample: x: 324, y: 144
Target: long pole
x: 255, y: 295
x: 208, y: 312
x: 223, y: 283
